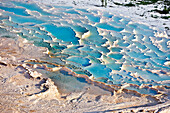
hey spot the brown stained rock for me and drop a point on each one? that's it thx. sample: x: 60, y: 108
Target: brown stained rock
x: 13, y: 51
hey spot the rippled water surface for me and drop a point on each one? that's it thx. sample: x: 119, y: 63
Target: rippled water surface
x: 111, y: 48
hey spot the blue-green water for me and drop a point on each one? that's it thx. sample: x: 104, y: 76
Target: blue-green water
x: 18, y: 11
x: 115, y: 49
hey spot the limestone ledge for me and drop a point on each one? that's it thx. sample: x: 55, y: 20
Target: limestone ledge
x: 24, y: 89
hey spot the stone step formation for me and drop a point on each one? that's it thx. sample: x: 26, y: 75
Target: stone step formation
x: 108, y: 48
